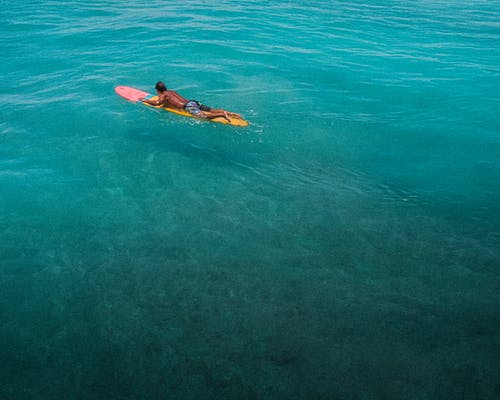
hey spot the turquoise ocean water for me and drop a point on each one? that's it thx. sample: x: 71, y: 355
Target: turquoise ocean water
x: 346, y: 245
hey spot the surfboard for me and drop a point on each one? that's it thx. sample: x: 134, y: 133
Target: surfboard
x: 136, y: 95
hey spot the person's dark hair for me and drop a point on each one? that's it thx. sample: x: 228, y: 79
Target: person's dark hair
x: 160, y: 86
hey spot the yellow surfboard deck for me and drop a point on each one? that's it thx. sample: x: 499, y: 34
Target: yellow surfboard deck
x: 234, y: 120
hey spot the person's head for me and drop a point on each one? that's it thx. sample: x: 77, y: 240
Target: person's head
x: 160, y: 87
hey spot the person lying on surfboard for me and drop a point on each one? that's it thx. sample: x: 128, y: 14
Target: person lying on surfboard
x: 172, y: 99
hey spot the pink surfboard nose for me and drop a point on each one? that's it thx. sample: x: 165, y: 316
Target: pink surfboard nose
x: 130, y: 93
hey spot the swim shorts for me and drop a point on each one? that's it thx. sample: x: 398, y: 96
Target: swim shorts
x: 195, y: 108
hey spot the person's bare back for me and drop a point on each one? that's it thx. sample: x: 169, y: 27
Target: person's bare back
x: 173, y: 99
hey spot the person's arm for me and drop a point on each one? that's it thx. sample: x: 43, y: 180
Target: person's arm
x: 161, y: 100
x: 151, y: 102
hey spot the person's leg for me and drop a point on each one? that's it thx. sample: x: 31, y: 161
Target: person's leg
x: 232, y: 114
x: 216, y: 114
